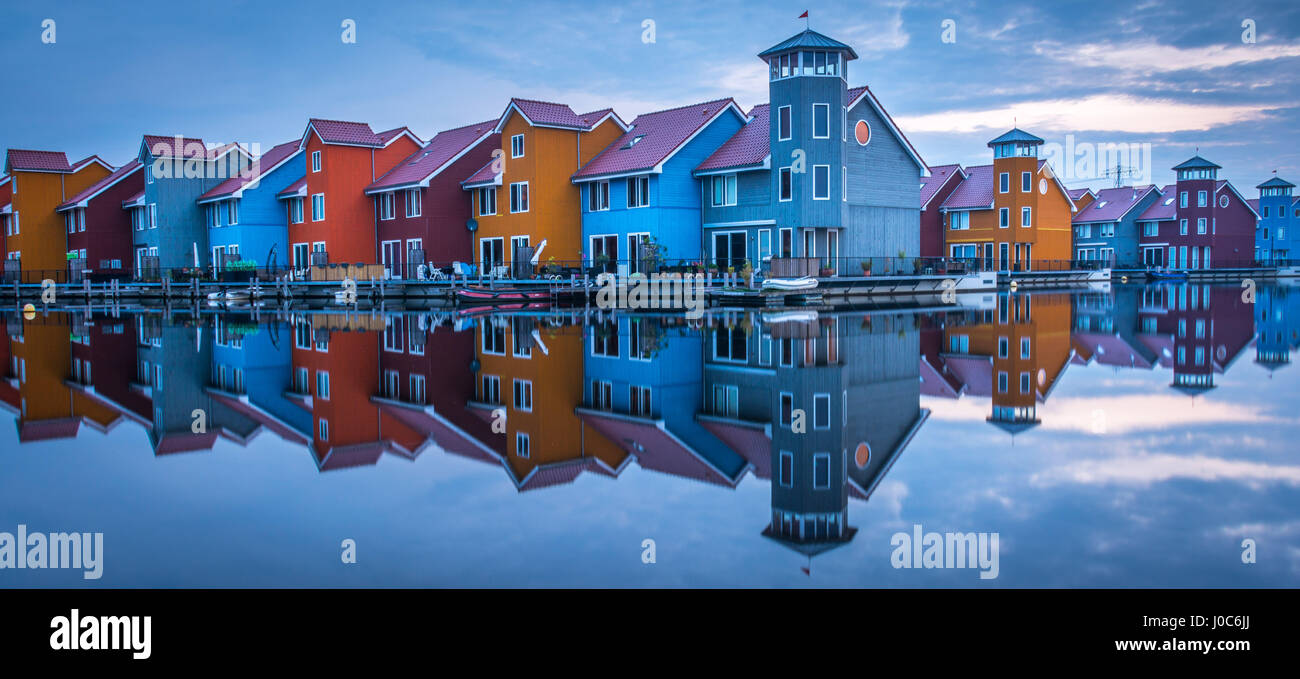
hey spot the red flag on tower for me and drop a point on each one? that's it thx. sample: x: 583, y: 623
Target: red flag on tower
x: 804, y: 15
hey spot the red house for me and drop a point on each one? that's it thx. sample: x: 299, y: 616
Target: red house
x: 935, y: 189
x: 421, y: 212
x: 343, y: 158
x: 99, y: 230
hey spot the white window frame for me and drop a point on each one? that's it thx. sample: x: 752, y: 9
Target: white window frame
x: 487, y: 191
x: 784, y: 172
x: 789, y: 120
x: 318, y: 215
x: 827, y: 183
x: 827, y: 114
x: 517, y: 142
x: 315, y: 161
x: 521, y: 194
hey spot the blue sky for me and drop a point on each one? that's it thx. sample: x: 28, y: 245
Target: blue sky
x: 1176, y: 75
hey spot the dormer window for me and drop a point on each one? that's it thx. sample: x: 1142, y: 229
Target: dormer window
x: 633, y: 141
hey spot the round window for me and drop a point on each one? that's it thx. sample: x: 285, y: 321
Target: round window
x: 1223, y: 201
x: 862, y: 132
x: 862, y: 455
x: 1042, y: 186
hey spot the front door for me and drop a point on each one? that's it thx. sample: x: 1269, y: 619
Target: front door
x: 218, y: 257
x: 604, y: 252
x: 634, y: 251
x: 392, y: 258
x: 300, y: 256
x: 988, y: 256
x: 1004, y: 256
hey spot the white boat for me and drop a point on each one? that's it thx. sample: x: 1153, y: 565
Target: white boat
x: 216, y: 296
x: 790, y: 317
x: 243, y: 295
x: 800, y: 284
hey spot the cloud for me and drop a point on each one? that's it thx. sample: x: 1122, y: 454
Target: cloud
x: 1151, y: 57
x: 1100, y: 112
x: 1144, y: 470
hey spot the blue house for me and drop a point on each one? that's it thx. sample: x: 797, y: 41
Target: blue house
x: 1107, y: 228
x: 1276, y: 236
x: 168, y: 221
x: 640, y: 192
x: 642, y: 392
x: 820, y: 171
x: 245, y: 218
x: 251, y: 376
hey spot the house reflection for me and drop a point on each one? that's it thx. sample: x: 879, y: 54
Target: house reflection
x: 1198, y: 331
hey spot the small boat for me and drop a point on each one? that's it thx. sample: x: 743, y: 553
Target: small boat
x: 484, y: 309
x: 790, y: 317
x: 1169, y: 275
x: 790, y: 284
x: 478, y: 295
x: 216, y: 297
x: 243, y: 295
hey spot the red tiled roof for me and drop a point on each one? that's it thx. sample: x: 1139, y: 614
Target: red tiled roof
x: 653, y: 138
x: 1112, y: 204
x: 137, y: 197
x: 294, y: 188
x: 163, y: 147
x: 939, y: 174
x: 118, y: 175
x: 557, y: 115
x: 1163, y: 209
x: 749, y: 441
x: 553, y: 474
x: 440, y: 150
x: 177, y: 442
x: 265, y: 163
x: 976, y: 191
x: 1076, y: 194
x: 482, y: 176
x: 89, y: 159
x: 345, y: 132
x: 654, y: 446
x: 37, y: 161
x: 975, y: 372
x: 44, y: 430
x: 748, y: 146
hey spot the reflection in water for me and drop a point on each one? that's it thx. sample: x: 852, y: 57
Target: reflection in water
x: 817, y: 407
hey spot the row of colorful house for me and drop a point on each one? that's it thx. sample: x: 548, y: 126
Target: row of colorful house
x: 543, y: 185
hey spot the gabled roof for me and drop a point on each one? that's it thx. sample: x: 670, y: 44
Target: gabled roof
x: 296, y: 189
x: 1222, y: 184
x: 1276, y: 183
x: 654, y: 138
x: 939, y: 176
x: 1113, y: 205
x: 441, y: 151
x: 81, y: 199
x: 551, y: 114
x: 857, y: 94
x: 1076, y: 194
x: 36, y: 161
x: 808, y: 39
x: 1253, y: 203
x: 1163, y: 209
x: 747, y: 148
x: 974, y: 193
x: 347, y: 133
x: 1196, y: 163
x: 92, y: 159
x: 269, y: 161
x: 1016, y: 135
x: 134, y: 201
x: 160, y: 146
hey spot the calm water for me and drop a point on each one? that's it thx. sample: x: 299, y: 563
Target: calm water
x: 1132, y: 437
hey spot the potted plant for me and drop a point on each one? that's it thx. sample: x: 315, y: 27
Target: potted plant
x: 866, y: 267
x: 602, y: 262
x: 826, y: 271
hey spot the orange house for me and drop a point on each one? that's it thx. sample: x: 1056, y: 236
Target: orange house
x: 524, y: 196
x: 42, y: 365
x: 343, y: 158
x: 1016, y: 356
x: 40, y: 181
x: 1013, y: 215
x: 532, y: 376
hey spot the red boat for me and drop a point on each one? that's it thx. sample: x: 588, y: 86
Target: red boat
x: 477, y: 295
x: 484, y: 309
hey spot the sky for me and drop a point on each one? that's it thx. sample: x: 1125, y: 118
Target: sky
x: 1172, y: 78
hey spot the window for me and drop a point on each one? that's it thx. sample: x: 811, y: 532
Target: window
x: 602, y: 395
x: 322, y: 385
x: 232, y: 212
x: 821, y: 182
x: 597, y: 196
x: 318, y: 207
x: 1108, y: 230
x: 786, y: 476
x: 153, y: 217
x: 821, y: 118
x: 787, y: 408
x: 821, y: 411
x: 1026, y: 182
x: 1003, y: 347
x: 1182, y: 227
x: 1200, y: 225
x: 783, y: 123
x: 1182, y: 199
x: 413, y: 208
x: 1024, y: 347
x: 324, y: 429
x: 1004, y: 216
x: 785, y: 184
x: 523, y: 446
x: 1004, y: 182
x: 492, y: 389
x: 523, y: 395
x: 315, y: 161
x: 1024, y: 383
x: 959, y: 221
x: 1002, y: 382
x: 724, y: 190
x: 295, y: 210
x: 417, y: 388
x: 638, y: 191
x: 821, y: 471
x: 519, y: 197
x: 639, y: 401
x: 1201, y: 200
x: 487, y: 201
x: 1026, y: 216
x: 386, y: 211
x: 726, y: 400
x: 517, y: 146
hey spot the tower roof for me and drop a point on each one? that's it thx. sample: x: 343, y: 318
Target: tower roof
x: 808, y: 39
x: 1276, y: 183
x: 1016, y: 135
x: 1196, y: 163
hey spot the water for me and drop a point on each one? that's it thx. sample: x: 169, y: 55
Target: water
x: 1155, y: 432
